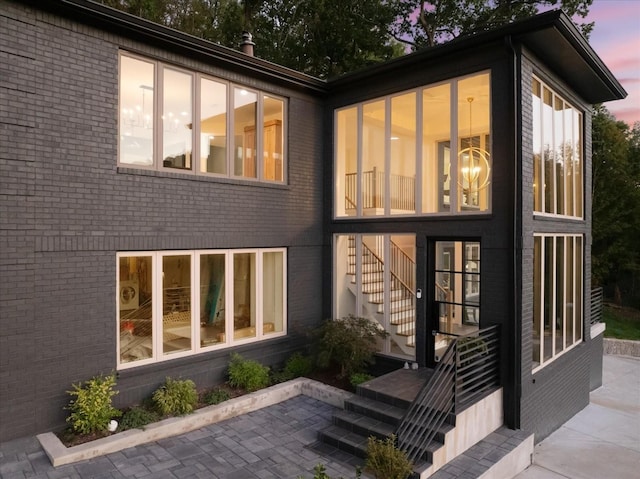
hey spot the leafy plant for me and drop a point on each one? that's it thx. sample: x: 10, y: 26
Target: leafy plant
x: 298, y: 365
x: 470, y: 348
x: 216, y: 396
x: 348, y: 343
x: 247, y: 374
x: 358, y: 378
x: 137, y: 417
x: 320, y: 472
x: 385, y: 460
x: 176, y: 397
x: 92, y: 409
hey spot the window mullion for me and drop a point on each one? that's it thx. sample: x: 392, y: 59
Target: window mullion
x: 359, y: 175
x: 454, y: 147
x: 387, y: 156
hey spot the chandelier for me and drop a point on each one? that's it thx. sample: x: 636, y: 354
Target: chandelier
x: 473, y: 162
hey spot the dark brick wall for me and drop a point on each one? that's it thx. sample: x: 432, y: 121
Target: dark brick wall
x: 66, y: 209
x: 559, y: 390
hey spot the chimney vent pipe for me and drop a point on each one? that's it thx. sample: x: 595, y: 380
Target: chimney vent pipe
x: 247, y: 45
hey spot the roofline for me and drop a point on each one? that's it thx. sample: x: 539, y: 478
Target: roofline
x: 520, y: 29
x: 102, y: 16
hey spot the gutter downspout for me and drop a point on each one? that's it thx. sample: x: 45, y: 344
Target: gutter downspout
x: 518, y: 245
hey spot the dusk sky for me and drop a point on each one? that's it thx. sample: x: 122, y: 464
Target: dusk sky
x: 616, y: 40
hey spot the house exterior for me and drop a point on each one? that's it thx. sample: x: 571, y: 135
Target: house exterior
x: 167, y: 201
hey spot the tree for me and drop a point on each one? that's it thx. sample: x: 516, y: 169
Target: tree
x: 427, y: 23
x: 323, y: 38
x: 616, y: 205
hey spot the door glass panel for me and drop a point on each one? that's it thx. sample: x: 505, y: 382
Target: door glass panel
x: 474, y: 154
x: 244, y: 296
x: 177, y: 120
x: 436, y: 163
x: 136, y: 111
x: 457, y: 291
x: 272, y: 139
x: 346, y: 162
x: 135, y: 308
x: 212, y: 300
x: 272, y: 292
x: 244, y: 131
x: 373, y: 153
x: 176, y: 303
x: 213, y: 127
x: 403, y: 154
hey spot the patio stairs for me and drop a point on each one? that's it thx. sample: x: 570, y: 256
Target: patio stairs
x: 401, y: 298
x: 373, y: 413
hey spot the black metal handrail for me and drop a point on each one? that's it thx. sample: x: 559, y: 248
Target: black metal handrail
x: 467, y: 371
x: 597, y: 300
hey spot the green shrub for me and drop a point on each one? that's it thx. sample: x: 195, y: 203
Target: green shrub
x: 137, y: 417
x: 358, y: 378
x: 91, y: 408
x: 247, y: 374
x: 348, y: 343
x: 298, y: 365
x: 320, y: 472
x: 216, y: 396
x: 385, y: 460
x: 176, y: 397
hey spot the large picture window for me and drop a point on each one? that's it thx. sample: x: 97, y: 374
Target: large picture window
x: 172, y: 119
x: 557, y: 153
x: 177, y: 303
x: 557, y: 296
x: 426, y: 151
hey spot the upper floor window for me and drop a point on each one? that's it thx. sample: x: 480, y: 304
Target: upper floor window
x: 173, y: 119
x: 557, y: 154
x: 424, y: 151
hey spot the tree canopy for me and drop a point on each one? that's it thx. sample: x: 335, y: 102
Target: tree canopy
x: 325, y: 38
x: 616, y: 206
x: 427, y: 23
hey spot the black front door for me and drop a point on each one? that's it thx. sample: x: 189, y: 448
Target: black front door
x: 453, y: 299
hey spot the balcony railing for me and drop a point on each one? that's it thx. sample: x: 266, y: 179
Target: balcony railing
x: 402, y: 191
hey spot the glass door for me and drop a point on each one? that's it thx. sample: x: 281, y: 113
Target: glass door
x: 455, y: 308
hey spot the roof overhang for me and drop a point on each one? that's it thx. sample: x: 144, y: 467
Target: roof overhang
x: 130, y: 26
x: 550, y: 36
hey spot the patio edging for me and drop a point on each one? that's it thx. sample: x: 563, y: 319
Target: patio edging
x: 59, y: 454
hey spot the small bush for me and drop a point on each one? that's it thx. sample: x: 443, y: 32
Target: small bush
x: 176, y: 397
x: 348, y: 343
x: 298, y: 365
x: 386, y: 461
x: 137, y: 417
x: 320, y: 472
x: 216, y: 396
x: 247, y: 374
x: 358, y: 378
x: 91, y: 410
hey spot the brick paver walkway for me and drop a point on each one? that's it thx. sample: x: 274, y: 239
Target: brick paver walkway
x: 277, y: 442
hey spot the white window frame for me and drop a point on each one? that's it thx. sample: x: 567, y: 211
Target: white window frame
x: 418, y: 167
x: 157, y: 164
x: 578, y: 135
x: 576, y: 322
x: 157, y: 301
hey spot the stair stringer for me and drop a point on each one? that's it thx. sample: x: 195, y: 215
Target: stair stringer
x: 472, y: 425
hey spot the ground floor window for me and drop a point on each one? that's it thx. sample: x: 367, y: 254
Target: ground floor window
x: 557, y: 295
x: 176, y: 303
x: 375, y: 278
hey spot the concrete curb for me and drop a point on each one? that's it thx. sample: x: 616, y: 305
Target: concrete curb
x: 621, y: 347
x: 59, y: 454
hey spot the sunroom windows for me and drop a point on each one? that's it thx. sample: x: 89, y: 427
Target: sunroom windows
x: 557, y: 295
x: 557, y: 154
x: 175, y: 119
x: 426, y: 151
x: 176, y: 303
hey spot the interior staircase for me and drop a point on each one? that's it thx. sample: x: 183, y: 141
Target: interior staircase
x: 401, y: 295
